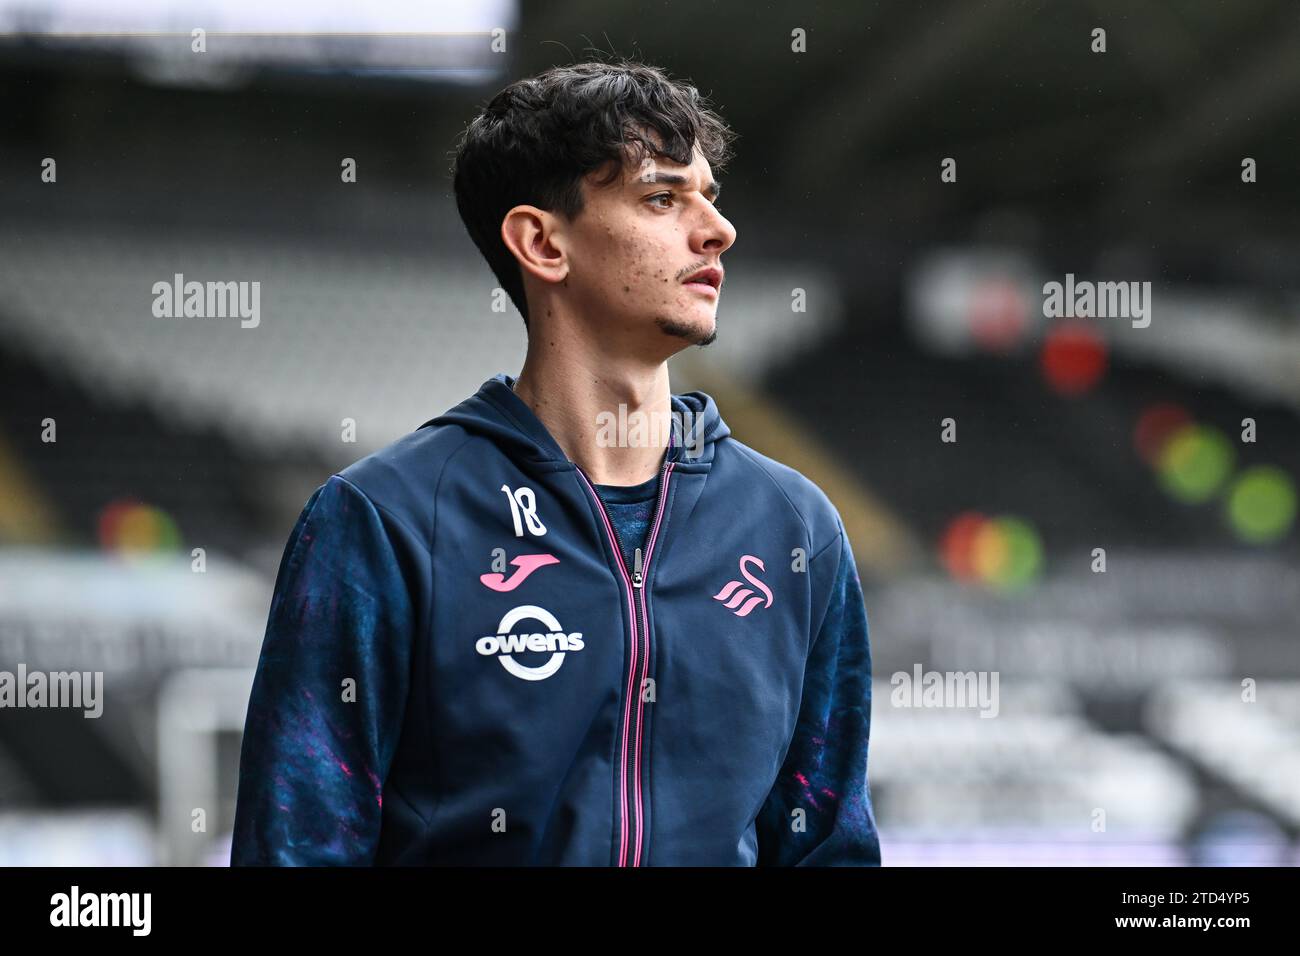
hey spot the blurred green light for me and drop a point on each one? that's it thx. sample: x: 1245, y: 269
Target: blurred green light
x: 1262, y: 504
x: 1195, y: 463
x: 1009, y: 555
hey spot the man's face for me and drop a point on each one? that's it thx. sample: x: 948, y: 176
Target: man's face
x: 636, y: 243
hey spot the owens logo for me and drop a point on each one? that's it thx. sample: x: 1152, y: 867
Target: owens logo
x: 744, y: 600
x: 504, y: 643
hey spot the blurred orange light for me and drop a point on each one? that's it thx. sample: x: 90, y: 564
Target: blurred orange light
x: 956, y: 546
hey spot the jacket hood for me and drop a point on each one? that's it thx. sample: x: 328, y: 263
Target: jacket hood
x: 496, y: 412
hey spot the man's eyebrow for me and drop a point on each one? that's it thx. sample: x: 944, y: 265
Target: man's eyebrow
x: 712, y: 190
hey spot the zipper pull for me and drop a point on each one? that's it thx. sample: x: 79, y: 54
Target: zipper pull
x: 636, y: 569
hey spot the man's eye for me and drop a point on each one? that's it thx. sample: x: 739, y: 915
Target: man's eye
x: 661, y: 196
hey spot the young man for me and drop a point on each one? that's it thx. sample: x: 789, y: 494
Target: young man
x: 523, y: 634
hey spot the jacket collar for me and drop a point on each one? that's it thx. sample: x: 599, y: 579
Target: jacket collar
x: 496, y: 412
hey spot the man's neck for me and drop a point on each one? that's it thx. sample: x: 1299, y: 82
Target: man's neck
x: 577, y: 398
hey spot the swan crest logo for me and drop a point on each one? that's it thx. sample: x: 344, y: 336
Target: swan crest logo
x: 738, y: 598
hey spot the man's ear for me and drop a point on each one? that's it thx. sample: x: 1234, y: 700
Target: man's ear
x: 534, y: 239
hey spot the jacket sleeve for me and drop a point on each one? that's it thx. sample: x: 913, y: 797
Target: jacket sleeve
x: 825, y: 769
x: 330, y: 690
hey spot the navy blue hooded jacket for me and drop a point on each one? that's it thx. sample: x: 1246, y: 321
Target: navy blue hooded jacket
x: 460, y: 668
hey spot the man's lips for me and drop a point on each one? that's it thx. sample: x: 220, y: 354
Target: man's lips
x: 712, y: 278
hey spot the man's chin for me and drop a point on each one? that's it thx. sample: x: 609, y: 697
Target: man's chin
x: 695, y: 333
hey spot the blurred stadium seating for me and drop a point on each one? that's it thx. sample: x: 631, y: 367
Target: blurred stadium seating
x: 1121, y: 692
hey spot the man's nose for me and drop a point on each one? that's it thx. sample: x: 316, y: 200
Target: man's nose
x: 718, y: 232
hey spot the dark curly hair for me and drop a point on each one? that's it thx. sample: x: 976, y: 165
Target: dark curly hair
x: 536, y: 139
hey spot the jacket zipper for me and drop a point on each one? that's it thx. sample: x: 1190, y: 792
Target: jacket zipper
x: 634, y: 585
